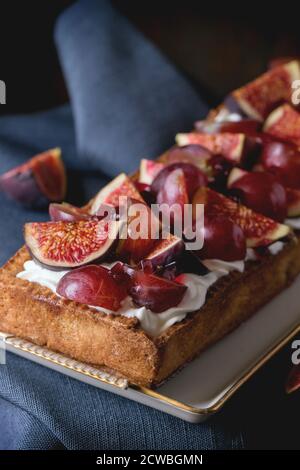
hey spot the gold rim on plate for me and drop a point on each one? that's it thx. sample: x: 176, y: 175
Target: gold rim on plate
x: 102, y: 376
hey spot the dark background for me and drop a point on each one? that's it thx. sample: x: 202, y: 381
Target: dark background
x: 218, y: 46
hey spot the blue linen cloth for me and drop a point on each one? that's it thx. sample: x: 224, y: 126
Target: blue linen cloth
x: 127, y: 101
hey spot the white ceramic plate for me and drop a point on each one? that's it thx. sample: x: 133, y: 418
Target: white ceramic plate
x: 198, y: 390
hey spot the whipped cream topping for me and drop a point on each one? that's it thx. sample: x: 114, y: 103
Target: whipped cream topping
x: 153, y: 323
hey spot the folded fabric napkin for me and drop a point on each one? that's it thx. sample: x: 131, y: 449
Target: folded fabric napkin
x: 127, y: 101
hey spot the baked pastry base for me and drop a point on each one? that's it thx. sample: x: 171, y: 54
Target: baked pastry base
x: 33, y: 312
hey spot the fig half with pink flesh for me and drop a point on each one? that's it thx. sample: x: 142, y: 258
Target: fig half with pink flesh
x: 258, y: 229
x: 229, y: 145
x: 148, y: 170
x: 258, y: 98
x: 120, y: 187
x: 62, y: 245
x: 284, y: 124
x: 37, y: 182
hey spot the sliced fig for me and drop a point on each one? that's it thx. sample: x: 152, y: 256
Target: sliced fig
x: 293, y: 202
x: 194, y: 177
x: 283, y: 160
x: 223, y: 239
x: 67, y: 212
x: 142, y: 187
x: 155, y: 293
x: 38, y: 181
x: 243, y: 126
x: 141, y: 233
x: 215, y: 167
x: 60, y: 245
x: 259, y: 97
x: 147, y: 289
x: 260, y: 191
x: 173, y: 196
x: 195, y: 154
x: 258, y: 229
x: 229, y: 145
x: 92, y: 285
x: 165, y: 251
x: 121, y: 186
x: 293, y: 379
x: 148, y: 170
x: 284, y: 124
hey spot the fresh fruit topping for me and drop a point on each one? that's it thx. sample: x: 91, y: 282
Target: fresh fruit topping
x: 148, y: 170
x: 173, y: 196
x: 260, y: 191
x: 165, y: 251
x: 142, y: 187
x: 92, y: 285
x: 228, y: 145
x: 59, y: 245
x: 140, y: 233
x: 67, y: 212
x: 155, y: 293
x: 121, y: 186
x: 38, y: 181
x: 146, y: 288
x: 213, y: 166
x: 122, y: 273
x: 258, y: 229
x: 293, y: 380
x: 258, y: 98
x: 244, y: 126
x: 284, y: 124
x: 219, y: 170
x: 195, y: 154
x: 293, y: 202
x: 194, y: 177
x: 283, y: 160
x: 223, y: 239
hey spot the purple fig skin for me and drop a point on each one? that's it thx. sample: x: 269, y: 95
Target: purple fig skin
x: 194, y: 177
x: 22, y: 187
x: 66, y: 212
x: 187, y: 153
x: 168, y: 252
x: 35, y: 248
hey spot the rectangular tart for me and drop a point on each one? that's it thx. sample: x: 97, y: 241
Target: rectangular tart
x: 33, y: 312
